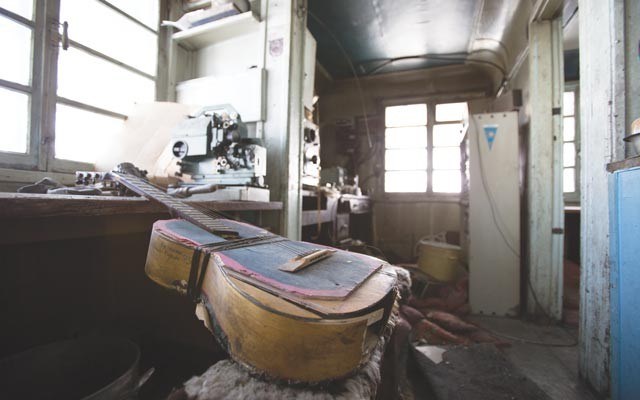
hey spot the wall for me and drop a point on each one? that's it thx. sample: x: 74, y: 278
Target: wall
x: 399, y: 221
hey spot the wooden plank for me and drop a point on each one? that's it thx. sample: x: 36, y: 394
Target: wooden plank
x: 601, y: 123
x: 23, y: 205
x: 627, y: 163
x: 24, y: 176
x: 32, y: 230
x: 544, y: 169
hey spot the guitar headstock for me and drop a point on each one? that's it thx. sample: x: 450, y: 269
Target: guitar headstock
x: 109, y: 181
x: 128, y: 168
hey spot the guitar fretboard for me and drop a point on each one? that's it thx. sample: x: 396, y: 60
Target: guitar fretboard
x: 179, y: 208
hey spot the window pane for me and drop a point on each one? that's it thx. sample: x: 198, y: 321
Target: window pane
x: 145, y: 11
x: 569, y: 180
x: 93, y: 81
x: 447, y: 181
x: 410, y: 137
x: 15, y: 47
x: 23, y: 8
x: 447, y: 135
x: 405, y: 159
x: 451, y: 112
x: 97, y: 26
x: 569, y: 129
x: 79, y: 133
x: 568, y: 103
x: 409, y: 115
x: 446, y: 158
x: 569, y: 154
x: 405, y: 181
x: 14, y: 114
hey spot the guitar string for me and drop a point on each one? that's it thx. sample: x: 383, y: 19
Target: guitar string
x: 176, y: 204
x: 286, y: 245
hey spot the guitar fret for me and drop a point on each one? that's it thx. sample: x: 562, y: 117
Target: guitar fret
x: 186, y: 211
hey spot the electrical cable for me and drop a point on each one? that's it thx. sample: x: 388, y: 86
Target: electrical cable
x: 573, y: 343
x: 353, y: 71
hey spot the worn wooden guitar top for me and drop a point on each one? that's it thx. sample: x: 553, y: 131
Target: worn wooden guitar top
x: 284, y: 309
x: 334, y: 277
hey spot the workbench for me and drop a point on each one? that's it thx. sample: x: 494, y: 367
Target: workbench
x: 37, y: 217
x: 73, y: 265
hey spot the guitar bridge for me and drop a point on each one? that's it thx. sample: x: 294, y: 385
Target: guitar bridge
x: 304, y: 260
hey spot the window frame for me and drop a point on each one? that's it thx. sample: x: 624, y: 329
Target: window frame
x: 431, y: 103
x: 34, y: 157
x: 574, y: 197
x: 46, y: 27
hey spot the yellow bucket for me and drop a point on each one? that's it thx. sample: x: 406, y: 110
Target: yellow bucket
x: 439, y: 260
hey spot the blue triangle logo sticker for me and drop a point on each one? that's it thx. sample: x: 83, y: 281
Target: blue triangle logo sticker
x: 490, y: 132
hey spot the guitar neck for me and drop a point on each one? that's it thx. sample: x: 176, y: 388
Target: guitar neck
x: 177, y: 207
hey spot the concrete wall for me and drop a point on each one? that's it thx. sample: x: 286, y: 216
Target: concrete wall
x: 399, y: 220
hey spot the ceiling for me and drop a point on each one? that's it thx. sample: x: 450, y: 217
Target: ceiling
x: 389, y: 35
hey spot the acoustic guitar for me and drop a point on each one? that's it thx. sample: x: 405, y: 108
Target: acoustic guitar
x: 285, y: 309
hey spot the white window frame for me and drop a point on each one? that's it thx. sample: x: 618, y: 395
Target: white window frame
x: 33, y: 158
x: 41, y: 155
x: 431, y: 121
x: 574, y: 197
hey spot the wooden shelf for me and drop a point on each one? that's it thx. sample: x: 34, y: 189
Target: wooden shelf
x: 22, y: 205
x: 215, y: 31
x: 631, y: 162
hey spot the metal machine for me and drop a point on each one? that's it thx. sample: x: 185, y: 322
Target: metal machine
x: 311, y: 154
x: 213, y: 147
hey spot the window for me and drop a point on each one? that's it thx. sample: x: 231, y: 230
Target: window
x: 570, y: 146
x: 17, y: 22
x: 109, y: 65
x: 422, y: 154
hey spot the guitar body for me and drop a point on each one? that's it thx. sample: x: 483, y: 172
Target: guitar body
x: 316, y: 324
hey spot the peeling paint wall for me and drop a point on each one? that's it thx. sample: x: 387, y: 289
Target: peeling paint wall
x: 602, y: 127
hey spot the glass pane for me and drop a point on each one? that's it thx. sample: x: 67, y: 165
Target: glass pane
x: 447, y: 181
x: 569, y: 154
x: 568, y: 103
x: 409, y: 115
x: 447, y: 135
x: 405, y: 159
x: 145, y: 11
x: 97, y: 26
x: 79, y: 133
x: 451, y: 112
x: 569, y: 180
x: 93, y: 81
x: 446, y: 158
x: 405, y: 181
x: 15, y: 47
x: 569, y: 129
x: 14, y: 114
x: 24, y: 8
x: 410, y: 137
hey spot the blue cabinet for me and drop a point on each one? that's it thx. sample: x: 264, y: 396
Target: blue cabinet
x: 625, y: 284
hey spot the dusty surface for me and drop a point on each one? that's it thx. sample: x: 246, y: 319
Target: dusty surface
x: 477, y: 372
x: 553, y: 368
